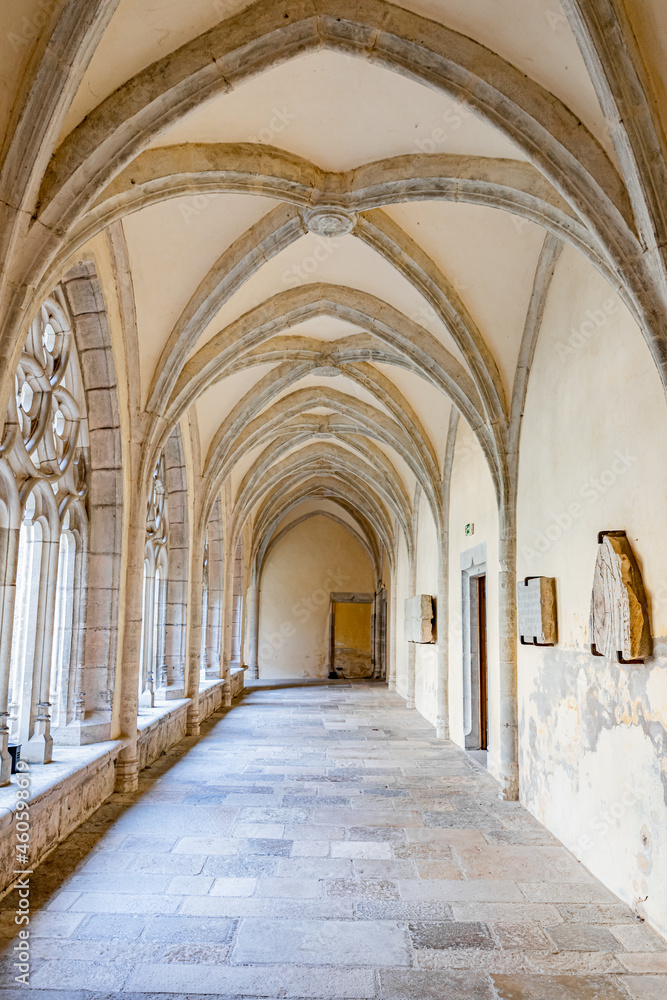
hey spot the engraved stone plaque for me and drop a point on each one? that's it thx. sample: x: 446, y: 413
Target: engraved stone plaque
x: 536, y: 605
x: 419, y: 618
x: 619, y: 622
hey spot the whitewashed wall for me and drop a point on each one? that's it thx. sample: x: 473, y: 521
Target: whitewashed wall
x: 594, y: 457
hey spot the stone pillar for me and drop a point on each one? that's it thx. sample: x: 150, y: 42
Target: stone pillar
x: 39, y: 748
x: 253, y: 627
x: 441, y: 619
x: 412, y: 648
x: 384, y: 648
x: 228, y: 628
x: 412, y: 656
x: 375, y: 645
x: 127, y: 763
x: 194, y: 634
x: 508, y: 749
x: 392, y: 625
x: 9, y: 544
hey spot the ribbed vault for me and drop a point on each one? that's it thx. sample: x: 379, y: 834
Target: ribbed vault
x: 306, y: 323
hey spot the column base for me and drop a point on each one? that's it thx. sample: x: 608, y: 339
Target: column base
x: 508, y: 779
x: 441, y: 730
x: 127, y: 771
x: 5, y: 758
x: 94, y: 729
x: 409, y: 702
x: 193, y: 725
x: 38, y: 749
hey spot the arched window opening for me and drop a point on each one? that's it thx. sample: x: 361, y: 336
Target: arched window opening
x: 159, y: 601
x: 153, y: 611
x: 61, y: 655
x: 145, y: 605
x: 45, y: 453
x: 24, y: 632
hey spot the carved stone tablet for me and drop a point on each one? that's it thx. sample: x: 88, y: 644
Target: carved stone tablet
x: 619, y: 622
x: 536, y: 606
x: 419, y: 618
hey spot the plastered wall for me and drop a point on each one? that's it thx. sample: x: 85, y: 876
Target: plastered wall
x: 316, y: 557
x: 593, y: 733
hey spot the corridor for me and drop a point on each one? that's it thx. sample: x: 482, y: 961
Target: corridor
x: 317, y: 841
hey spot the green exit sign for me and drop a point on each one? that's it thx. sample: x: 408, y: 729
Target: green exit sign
x: 470, y: 529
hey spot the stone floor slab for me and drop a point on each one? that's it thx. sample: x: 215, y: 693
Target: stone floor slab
x: 558, y: 988
x: 273, y: 981
x: 540, y: 864
x: 644, y: 987
x: 313, y: 942
x: 417, y: 985
x: 323, y: 878
x: 582, y: 937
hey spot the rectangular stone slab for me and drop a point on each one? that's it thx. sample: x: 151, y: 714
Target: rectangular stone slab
x: 536, y: 609
x: 419, y: 618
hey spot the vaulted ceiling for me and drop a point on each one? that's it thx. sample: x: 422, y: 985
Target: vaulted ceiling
x: 333, y: 219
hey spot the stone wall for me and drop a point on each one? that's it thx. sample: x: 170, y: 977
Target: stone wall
x: 62, y: 795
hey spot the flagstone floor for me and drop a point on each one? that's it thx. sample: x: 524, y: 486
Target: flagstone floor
x: 318, y: 842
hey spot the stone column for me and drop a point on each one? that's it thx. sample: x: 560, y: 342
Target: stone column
x: 441, y: 619
x: 39, y: 748
x: 127, y: 763
x: 383, y: 634
x: 412, y: 647
x: 508, y: 749
x: 391, y: 682
x: 375, y: 658
x: 228, y: 627
x: 412, y: 656
x: 253, y: 627
x: 9, y: 545
x: 194, y: 633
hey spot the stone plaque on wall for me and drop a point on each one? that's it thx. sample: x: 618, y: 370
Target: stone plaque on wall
x: 619, y: 622
x: 536, y: 606
x: 419, y: 618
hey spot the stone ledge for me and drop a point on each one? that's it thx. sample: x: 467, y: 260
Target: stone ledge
x: 71, y: 764
x: 159, y: 728
x: 63, y: 794
x: 211, y: 695
x: 150, y: 717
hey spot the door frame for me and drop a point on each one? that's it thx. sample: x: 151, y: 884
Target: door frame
x: 473, y: 567
x: 343, y: 597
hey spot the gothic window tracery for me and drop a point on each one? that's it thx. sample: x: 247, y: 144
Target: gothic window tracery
x: 45, y: 452
x: 155, y: 588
